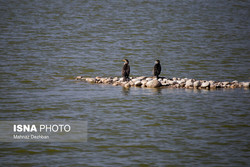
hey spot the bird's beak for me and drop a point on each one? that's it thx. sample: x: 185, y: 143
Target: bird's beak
x: 123, y: 60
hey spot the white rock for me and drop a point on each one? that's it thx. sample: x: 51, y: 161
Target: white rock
x: 153, y: 84
x: 115, y: 84
x: 131, y: 83
x: 149, y: 79
x: 91, y: 80
x: 98, y: 78
x: 178, y: 81
x: 143, y: 85
x: 172, y: 82
x: 219, y: 85
x: 138, y: 83
x: 245, y: 84
x: 127, y: 85
x: 107, y: 81
x: 211, y: 82
x: 78, y: 77
x: 135, y: 80
x: 189, y: 83
x: 144, y: 81
x: 197, y: 84
x: 165, y: 80
x: 164, y: 83
x: 205, y: 84
x: 183, y: 80
x: 141, y: 78
x: 177, y: 85
x: 212, y: 85
x: 115, y: 79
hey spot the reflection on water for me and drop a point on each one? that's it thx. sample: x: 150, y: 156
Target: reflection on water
x: 125, y: 91
x: 156, y: 91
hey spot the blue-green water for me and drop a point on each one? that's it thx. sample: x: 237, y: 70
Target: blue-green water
x: 45, y: 44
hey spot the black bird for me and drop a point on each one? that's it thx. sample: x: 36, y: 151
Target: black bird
x: 157, y: 68
x: 125, y: 70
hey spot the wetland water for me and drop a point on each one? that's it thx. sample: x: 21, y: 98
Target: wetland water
x: 45, y: 44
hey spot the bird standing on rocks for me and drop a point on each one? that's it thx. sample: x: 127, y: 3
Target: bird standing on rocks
x: 125, y: 70
x: 157, y: 69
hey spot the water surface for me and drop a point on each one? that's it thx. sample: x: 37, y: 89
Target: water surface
x: 45, y: 44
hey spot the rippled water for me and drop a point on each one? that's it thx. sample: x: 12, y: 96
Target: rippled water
x: 45, y: 44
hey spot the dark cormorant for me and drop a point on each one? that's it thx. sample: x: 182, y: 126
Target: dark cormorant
x: 157, y: 68
x: 125, y: 70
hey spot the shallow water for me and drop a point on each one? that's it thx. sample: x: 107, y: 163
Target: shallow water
x: 44, y: 45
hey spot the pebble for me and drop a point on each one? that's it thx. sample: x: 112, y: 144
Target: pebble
x: 121, y: 79
x: 151, y: 82
x: 108, y: 81
x: 189, y: 83
x: 138, y: 83
x: 131, y: 83
x: 219, y: 85
x: 165, y: 80
x: 172, y: 82
x: 205, y: 84
x: 78, y: 77
x: 212, y: 85
x: 197, y: 84
x: 225, y: 83
x: 115, y: 79
x: 245, y: 84
x: 164, y: 84
x: 211, y: 82
x: 127, y: 85
x: 183, y: 80
x: 179, y: 81
x: 135, y: 80
x: 91, y: 80
x: 143, y: 85
x: 115, y: 84
x: 98, y: 78
x: 177, y: 85
x: 144, y: 82
x: 233, y: 86
x: 159, y: 79
x: 141, y: 78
